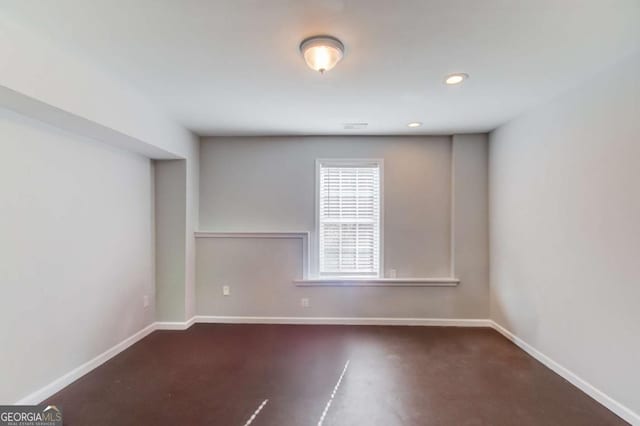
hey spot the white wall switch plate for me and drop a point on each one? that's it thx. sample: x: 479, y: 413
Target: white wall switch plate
x: 304, y: 302
x: 145, y: 301
x: 226, y: 290
x: 392, y: 273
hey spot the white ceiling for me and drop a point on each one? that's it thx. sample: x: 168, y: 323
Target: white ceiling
x: 232, y: 67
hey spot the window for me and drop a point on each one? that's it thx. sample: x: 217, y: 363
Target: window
x: 348, y: 229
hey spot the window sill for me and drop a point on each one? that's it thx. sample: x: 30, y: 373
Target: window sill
x: 378, y: 282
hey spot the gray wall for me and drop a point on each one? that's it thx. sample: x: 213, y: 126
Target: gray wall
x: 192, y: 211
x: 268, y: 184
x: 76, y: 255
x: 176, y: 209
x: 170, y: 228
x: 565, y: 230
x: 470, y: 216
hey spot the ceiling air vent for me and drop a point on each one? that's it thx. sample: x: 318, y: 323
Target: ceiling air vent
x: 354, y: 126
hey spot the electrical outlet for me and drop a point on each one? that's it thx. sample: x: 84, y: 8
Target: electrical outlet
x: 392, y: 273
x: 226, y: 290
x: 304, y: 302
x: 145, y: 301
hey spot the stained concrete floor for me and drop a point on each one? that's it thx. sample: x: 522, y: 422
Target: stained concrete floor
x: 214, y: 374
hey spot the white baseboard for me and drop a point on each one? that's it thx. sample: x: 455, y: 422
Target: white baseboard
x: 73, y: 375
x: 174, y: 325
x: 624, y: 412
x: 441, y: 322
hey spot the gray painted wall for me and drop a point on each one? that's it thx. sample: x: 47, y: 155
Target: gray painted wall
x: 192, y: 212
x: 76, y: 255
x: 268, y: 184
x: 176, y: 208
x: 565, y: 230
x: 170, y: 221
x: 470, y: 213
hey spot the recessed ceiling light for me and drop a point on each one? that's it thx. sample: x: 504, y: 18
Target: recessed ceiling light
x: 321, y: 53
x: 415, y: 124
x: 354, y: 126
x: 456, y: 78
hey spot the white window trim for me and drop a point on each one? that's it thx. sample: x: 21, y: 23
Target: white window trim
x: 316, y: 245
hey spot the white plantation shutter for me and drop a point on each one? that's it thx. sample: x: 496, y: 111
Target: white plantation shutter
x: 349, y: 218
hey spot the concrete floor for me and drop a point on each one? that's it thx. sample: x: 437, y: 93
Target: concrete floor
x: 221, y: 374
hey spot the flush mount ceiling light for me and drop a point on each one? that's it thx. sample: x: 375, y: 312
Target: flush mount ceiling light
x: 322, y: 53
x: 414, y: 124
x: 455, y: 78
